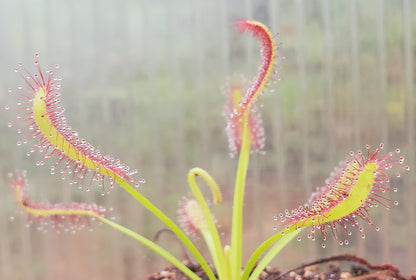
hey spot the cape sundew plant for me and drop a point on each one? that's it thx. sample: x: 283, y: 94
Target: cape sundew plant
x: 353, y: 188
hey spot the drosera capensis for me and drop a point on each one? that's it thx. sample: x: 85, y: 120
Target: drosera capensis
x: 324, y: 212
x: 42, y: 116
x: 62, y: 216
x: 355, y: 186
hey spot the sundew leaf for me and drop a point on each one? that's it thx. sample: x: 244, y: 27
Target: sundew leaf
x: 265, y: 70
x: 359, y: 184
x: 43, y: 117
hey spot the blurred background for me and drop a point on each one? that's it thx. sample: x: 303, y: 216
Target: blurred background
x: 142, y: 82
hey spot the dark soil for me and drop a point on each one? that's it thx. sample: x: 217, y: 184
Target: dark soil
x: 359, y: 269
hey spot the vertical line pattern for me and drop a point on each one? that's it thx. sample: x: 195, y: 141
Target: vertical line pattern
x: 165, y: 148
x: 410, y: 129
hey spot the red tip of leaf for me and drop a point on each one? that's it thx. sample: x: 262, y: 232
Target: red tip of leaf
x: 268, y: 54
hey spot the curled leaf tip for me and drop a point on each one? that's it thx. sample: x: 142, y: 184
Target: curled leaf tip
x: 265, y: 70
x: 199, y: 172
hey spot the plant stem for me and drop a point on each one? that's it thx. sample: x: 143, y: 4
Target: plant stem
x: 219, y: 264
x: 265, y: 245
x: 284, y: 239
x: 227, y: 252
x: 152, y: 246
x: 237, y: 218
x: 169, y: 223
x: 212, y: 238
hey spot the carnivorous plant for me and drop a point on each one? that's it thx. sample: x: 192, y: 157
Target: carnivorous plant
x: 354, y: 187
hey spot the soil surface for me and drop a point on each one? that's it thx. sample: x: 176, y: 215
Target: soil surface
x: 322, y: 269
